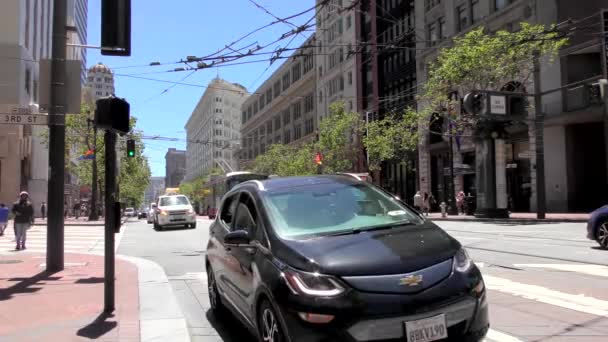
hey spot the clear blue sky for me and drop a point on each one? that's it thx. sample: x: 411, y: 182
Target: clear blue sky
x: 168, y: 31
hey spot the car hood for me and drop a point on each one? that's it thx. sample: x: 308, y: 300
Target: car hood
x: 389, y: 251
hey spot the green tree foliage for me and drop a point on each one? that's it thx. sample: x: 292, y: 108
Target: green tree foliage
x: 338, y: 134
x: 134, y: 171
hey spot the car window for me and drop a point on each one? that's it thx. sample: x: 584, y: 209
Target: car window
x: 246, y: 215
x: 174, y: 200
x: 319, y: 209
x: 228, y: 210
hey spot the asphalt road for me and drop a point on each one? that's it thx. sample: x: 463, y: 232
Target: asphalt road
x: 546, y: 282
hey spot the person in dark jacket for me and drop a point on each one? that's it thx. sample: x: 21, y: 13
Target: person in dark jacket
x: 24, y: 218
x: 43, y: 210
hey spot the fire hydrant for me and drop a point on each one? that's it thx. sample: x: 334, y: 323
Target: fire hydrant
x: 444, y: 207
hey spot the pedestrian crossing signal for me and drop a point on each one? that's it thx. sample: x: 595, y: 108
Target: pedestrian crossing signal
x: 131, y: 148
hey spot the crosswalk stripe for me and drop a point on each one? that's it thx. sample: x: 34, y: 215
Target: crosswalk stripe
x: 545, y: 295
x: 77, y: 239
x: 497, y: 336
x: 596, y: 270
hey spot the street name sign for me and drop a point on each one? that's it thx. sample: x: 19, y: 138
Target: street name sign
x: 24, y: 119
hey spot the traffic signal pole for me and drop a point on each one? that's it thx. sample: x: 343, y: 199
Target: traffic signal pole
x: 539, y: 127
x: 110, y: 220
x: 57, y: 108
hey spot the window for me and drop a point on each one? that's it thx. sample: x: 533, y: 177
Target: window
x: 255, y: 108
x: 296, y: 109
x: 98, y: 86
x: 277, y: 88
x: 90, y: 79
x: 308, y: 63
x: 350, y: 78
x: 243, y: 117
x: 98, y: 93
x: 286, y: 116
x: 296, y: 72
x: 475, y: 11
x: 348, y: 22
x: 109, y: 80
x: 277, y: 122
x: 309, y: 103
x: 297, y: 132
x: 286, y: 80
x: 432, y: 34
x: 249, y: 113
x: 308, y: 126
x: 246, y: 215
x: 441, y: 27
x: 268, y: 95
x: 320, y: 96
x: 431, y: 3
x: 461, y: 17
x: 269, y: 126
x: 262, y: 101
x: 28, y: 80
x: 500, y: 4
x: 173, y: 200
x: 287, y: 137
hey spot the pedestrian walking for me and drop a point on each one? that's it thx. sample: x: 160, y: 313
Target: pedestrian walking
x: 43, y: 210
x: 426, y: 204
x: 3, y: 218
x: 418, y: 201
x: 76, y: 209
x: 24, y: 218
x: 460, y: 203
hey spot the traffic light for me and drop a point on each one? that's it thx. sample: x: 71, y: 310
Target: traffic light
x: 116, y: 27
x: 518, y: 105
x: 130, y: 148
x: 113, y: 113
x: 475, y: 103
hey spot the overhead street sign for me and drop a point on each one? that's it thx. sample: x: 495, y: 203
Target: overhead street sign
x: 24, y: 119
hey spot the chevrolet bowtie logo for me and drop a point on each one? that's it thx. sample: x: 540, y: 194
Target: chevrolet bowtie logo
x: 411, y: 280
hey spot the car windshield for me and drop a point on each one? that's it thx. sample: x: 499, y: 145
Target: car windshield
x: 174, y: 200
x: 330, y: 208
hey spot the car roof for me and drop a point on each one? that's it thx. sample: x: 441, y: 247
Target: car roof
x: 280, y: 183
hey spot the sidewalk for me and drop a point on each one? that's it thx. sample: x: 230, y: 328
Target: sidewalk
x: 517, y: 218
x: 68, y: 305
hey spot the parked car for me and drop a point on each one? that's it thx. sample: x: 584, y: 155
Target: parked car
x: 151, y: 213
x: 129, y: 212
x: 174, y: 210
x: 143, y: 213
x: 597, y: 226
x: 335, y: 258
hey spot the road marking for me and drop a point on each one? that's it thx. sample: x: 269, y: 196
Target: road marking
x: 545, y: 295
x: 596, y: 270
x: 497, y: 336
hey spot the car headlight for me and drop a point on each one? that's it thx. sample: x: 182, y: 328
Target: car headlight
x: 190, y: 211
x: 164, y: 213
x: 462, y: 261
x: 312, y: 284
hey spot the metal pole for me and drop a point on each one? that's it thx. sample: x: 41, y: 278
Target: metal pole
x: 540, y: 148
x: 110, y: 199
x: 55, y: 223
x: 452, y: 210
x: 94, y: 214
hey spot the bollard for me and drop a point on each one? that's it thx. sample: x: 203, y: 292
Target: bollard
x: 443, y: 207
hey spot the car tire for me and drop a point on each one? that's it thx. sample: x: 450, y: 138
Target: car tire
x: 601, y: 234
x: 268, y: 325
x: 193, y: 225
x: 215, y: 300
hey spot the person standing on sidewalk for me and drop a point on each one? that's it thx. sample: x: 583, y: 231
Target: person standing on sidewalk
x: 43, y: 210
x: 418, y: 201
x: 24, y: 218
x: 3, y: 218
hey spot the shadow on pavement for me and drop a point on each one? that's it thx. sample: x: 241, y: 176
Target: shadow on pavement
x: 90, y: 280
x: 229, y: 327
x: 25, y: 285
x: 99, y: 327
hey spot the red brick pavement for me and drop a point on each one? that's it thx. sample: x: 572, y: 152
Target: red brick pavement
x: 67, y: 305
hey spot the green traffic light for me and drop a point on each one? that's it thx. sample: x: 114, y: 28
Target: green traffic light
x: 131, y: 153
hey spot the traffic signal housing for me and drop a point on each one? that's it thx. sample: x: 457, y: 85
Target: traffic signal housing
x: 131, y: 148
x: 475, y: 103
x: 113, y: 113
x: 116, y: 27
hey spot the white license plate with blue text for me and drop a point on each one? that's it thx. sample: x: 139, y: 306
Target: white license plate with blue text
x: 427, y: 329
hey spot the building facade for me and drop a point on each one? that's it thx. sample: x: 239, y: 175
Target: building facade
x: 155, y: 188
x: 77, y: 34
x: 283, y: 109
x: 99, y: 83
x: 213, y: 129
x: 572, y: 123
x: 175, y: 167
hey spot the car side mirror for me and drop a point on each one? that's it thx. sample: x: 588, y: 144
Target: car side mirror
x: 237, y: 238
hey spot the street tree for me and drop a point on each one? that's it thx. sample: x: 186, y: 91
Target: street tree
x: 135, y: 172
x: 286, y: 160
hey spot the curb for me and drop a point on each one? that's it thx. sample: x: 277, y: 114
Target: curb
x: 510, y: 220
x: 160, y: 316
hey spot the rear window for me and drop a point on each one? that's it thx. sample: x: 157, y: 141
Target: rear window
x: 321, y: 209
x: 174, y: 200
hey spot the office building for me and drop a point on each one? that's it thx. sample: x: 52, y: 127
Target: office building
x: 175, y: 167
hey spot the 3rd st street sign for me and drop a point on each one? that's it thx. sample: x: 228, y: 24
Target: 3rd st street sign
x: 18, y: 115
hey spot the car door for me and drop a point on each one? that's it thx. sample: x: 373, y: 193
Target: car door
x: 217, y: 253
x: 247, y: 219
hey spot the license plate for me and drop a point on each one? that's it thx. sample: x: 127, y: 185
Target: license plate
x: 427, y: 329
x: 178, y: 218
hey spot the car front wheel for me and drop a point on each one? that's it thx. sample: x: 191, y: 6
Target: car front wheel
x: 269, y: 327
x: 602, y: 234
x: 214, y: 295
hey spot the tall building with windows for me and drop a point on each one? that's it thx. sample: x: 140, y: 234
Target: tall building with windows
x: 175, y: 167
x: 213, y: 129
x: 99, y: 83
x: 77, y: 33
x: 283, y: 109
x: 335, y: 52
x: 573, y: 119
x: 155, y: 188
